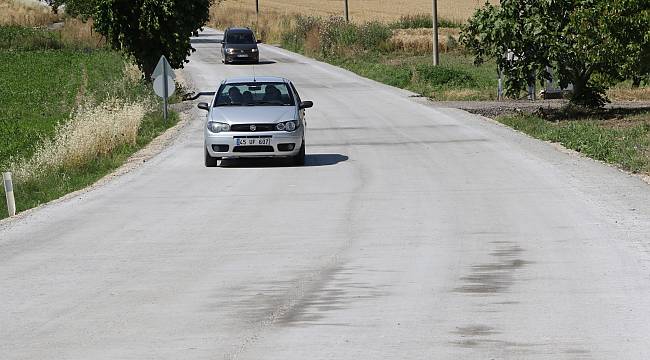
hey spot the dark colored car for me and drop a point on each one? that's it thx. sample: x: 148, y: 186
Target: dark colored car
x: 240, y: 45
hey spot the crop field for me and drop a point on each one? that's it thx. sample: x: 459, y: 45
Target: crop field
x: 360, y: 10
x: 46, y: 85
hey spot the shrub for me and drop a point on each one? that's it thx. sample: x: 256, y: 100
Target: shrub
x: 21, y: 38
x: 294, y: 39
x: 421, y: 21
x: 374, y: 35
x: 440, y: 75
x: 337, y: 35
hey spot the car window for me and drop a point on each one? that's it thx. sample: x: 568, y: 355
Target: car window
x: 240, y: 38
x: 296, y: 92
x: 254, y: 94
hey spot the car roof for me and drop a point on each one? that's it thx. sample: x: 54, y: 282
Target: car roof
x: 260, y: 79
x: 239, y: 29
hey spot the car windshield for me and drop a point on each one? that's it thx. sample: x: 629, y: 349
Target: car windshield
x: 254, y: 94
x: 240, y: 38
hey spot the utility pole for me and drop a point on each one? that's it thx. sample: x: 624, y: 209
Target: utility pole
x: 434, y: 17
x: 347, y: 12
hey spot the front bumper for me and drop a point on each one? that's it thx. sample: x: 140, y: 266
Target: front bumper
x: 251, y: 57
x: 224, y: 145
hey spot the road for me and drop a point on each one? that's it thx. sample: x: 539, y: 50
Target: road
x: 414, y: 232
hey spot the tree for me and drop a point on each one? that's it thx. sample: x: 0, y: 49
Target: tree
x: 147, y: 29
x: 591, y: 44
x: 83, y: 9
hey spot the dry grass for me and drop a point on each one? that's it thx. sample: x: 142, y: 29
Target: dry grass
x: 625, y: 93
x: 269, y: 27
x: 93, y: 130
x: 26, y: 13
x: 462, y: 94
x: 421, y: 40
x: 80, y: 34
x: 361, y: 10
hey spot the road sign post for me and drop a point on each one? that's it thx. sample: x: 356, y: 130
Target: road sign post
x: 347, y: 12
x: 9, y: 192
x: 165, y: 92
x: 163, y: 83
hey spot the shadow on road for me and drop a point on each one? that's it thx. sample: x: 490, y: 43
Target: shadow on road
x: 324, y: 159
x: 262, y: 62
x: 311, y: 160
x: 212, y: 40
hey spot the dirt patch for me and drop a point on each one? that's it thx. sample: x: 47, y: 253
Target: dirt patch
x: 544, y: 108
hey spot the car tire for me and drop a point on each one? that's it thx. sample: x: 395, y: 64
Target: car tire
x: 210, y: 161
x: 299, y: 159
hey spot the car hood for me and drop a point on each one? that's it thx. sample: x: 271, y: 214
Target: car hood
x: 253, y: 114
x: 241, y: 46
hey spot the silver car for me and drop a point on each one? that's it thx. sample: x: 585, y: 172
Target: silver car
x: 253, y: 117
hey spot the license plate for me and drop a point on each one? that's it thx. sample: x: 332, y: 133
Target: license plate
x: 253, y: 141
x: 242, y: 55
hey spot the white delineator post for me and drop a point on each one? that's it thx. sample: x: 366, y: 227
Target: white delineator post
x: 434, y: 18
x: 9, y: 191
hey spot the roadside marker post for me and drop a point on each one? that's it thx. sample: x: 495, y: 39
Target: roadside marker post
x: 163, y: 83
x: 347, y: 12
x: 9, y: 192
x: 500, y: 86
x: 434, y: 20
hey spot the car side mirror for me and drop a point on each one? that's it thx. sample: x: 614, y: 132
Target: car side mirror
x: 306, y: 104
x: 259, y: 41
x: 204, y: 106
x: 222, y: 42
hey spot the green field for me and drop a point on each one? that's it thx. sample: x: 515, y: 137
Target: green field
x: 42, y: 81
x: 44, y: 88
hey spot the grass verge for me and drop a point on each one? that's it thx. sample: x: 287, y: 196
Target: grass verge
x: 64, y: 180
x: 71, y: 115
x: 622, y: 140
x: 455, y: 79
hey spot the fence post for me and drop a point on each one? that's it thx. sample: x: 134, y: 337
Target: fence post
x: 9, y: 192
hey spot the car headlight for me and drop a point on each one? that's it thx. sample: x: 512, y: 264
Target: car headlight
x: 217, y: 127
x: 287, y: 126
x: 230, y: 51
x: 254, y: 50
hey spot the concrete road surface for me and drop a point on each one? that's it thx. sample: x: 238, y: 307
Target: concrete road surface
x: 414, y: 232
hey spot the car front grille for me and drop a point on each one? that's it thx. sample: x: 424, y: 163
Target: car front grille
x: 247, y: 127
x: 253, y: 148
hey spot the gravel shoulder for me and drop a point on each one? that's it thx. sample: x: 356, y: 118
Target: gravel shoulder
x: 492, y: 109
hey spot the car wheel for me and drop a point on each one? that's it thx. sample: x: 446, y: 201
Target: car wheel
x: 299, y: 159
x: 209, y: 160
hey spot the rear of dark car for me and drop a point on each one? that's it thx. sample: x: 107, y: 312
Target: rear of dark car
x: 240, y: 45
